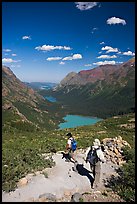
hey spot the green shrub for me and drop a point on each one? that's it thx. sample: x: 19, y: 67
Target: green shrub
x: 124, y: 184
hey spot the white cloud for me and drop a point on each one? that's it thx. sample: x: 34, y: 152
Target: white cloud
x: 106, y: 48
x: 119, y: 62
x: 6, y: 50
x: 112, y: 50
x: 115, y: 20
x: 62, y: 63
x: 13, y: 66
x: 109, y: 49
x: 14, y: 55
x: 53, y: 58
x: 93, y: 30
x: 103, y: 63
x: 106, y: 57
x: 88, y: 65
x: 101, y: 43
x: 85, y: 5
x: 26, y: 37
x: 129, y: 53
x: 73, y: 57
x: 52, y: 47
x: 9, y: 60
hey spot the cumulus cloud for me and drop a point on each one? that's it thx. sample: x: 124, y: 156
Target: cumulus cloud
x: 52, y: 47
x: 109, y: 49
x: 14, y: 55
x: 88, y: 65
x: 104, y: 62
x: 9, y: 60
x: 62, y: 63
x: 106, y: 57
x: 73, y: 57
x: 26, y: 37
x: 115, y: 20
x: 53, y: 58
x: 129, y: 53
x: 101, y: 43
x: 85, y: 5
x: 6, y: 50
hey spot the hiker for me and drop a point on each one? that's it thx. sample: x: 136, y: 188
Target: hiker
x: 95, y: 156
x: 69, y: 147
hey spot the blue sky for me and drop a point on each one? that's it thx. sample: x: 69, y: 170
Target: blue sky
x: 44, y: 41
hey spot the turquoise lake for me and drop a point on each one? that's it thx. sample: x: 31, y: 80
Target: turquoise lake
x: 50, y: 98
x: 76, y: 120
x: 72, y: 121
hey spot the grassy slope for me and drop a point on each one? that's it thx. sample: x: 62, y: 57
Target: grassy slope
x: 22, y: 150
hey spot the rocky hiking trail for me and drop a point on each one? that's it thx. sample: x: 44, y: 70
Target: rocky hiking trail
x: 60, y: 183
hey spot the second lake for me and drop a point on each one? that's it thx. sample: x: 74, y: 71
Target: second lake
x: 50, y: 98
x: 76, y: 120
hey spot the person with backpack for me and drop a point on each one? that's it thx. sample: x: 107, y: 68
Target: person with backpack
x: 71, y: 146
x: 95, y: 157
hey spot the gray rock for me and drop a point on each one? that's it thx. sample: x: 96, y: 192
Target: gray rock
x: 48, y: 196
x: 76, y: 197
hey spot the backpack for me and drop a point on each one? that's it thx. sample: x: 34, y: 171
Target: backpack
x: 92, y: 157
x: 73, y: 145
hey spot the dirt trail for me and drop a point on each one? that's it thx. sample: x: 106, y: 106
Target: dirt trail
x: 62, y: 181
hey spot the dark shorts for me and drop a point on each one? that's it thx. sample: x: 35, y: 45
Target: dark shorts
x: 71, y: 152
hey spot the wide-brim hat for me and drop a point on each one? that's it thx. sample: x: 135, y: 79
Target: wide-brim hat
x: 96, y: 142
x: 69, y: 134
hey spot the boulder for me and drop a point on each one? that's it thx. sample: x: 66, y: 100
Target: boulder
x: 47, y: 197
x: 77, y: 197
x: 22, y: 182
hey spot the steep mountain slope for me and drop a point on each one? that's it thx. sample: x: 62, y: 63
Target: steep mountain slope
x: 22, y: 106
x: 103, y: 91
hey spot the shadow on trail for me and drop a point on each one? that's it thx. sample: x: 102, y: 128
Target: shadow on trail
x: 67, y: 157
x: 84, y: 172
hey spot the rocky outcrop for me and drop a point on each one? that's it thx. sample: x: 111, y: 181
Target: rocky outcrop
x: 113, y: 149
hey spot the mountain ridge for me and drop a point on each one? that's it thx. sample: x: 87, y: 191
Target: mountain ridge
x: 102, y: 72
